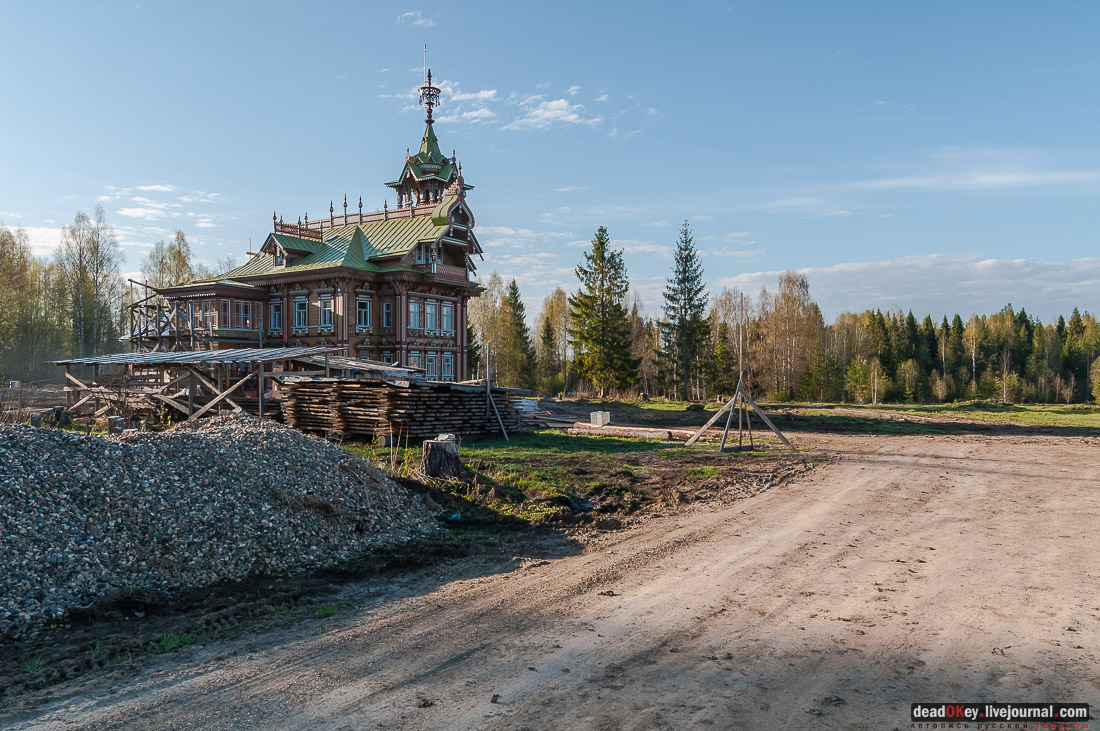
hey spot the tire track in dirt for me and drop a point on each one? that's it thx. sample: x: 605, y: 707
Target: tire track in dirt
x: 894, y: 574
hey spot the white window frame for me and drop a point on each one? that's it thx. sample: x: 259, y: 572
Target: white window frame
x: 414, y: 359
x: 447, y: 369
x: 326, y: 309
x: 447, y: 317
x: 387, y: 313
x: 431, y: 315
x: 275, y: 315
x: 414, y: 314
x: 362, y: 323
x: 301, y: 307
x: 431, y: 364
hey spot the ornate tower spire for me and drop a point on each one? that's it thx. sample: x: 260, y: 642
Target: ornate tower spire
x: 429, y: 96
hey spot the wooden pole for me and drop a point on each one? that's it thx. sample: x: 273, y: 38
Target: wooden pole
x: 767, y: 421
x: 729, y: 419
x: 713, y: 419
x: 260, y: 389
x: 218, y: 399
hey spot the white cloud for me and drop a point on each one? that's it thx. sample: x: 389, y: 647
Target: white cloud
x: 161, y: 188
x: 201, y: 196
x: 602, y: 98
x: 841, y: 212
x: 148, y: 214
x: 485, y: 95
x: 569, y: 188
x: 636, y: 246
x: 481, y: 114
x: 733, y: 236
x: 573, y: 90
x: 967, y: 283
x: 530, y: 242
x: 651, y: 111
x: 981, y: 180
x: 415, y: 17
x: 735, y: 253
x: 43, y: 239
x: 658, y: 224
x: 547, y: 113
x: 205, y: 223
x: 881, y: 103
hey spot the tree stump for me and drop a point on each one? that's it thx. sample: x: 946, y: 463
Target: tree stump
x: 440, y: 458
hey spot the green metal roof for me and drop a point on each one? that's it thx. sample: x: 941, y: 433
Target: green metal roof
x: 297, y: 243
x: 353, y: 245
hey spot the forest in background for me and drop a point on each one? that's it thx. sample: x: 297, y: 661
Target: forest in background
x: 75, y: 302
x: 694, y: 348
x: 601, y: 339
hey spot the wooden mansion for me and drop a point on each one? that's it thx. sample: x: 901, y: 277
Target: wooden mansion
x: 389, y: 285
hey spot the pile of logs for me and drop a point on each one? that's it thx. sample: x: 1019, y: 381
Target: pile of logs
x: 412, y: 412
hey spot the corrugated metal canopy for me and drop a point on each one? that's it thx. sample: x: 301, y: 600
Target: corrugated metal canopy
x: 194, y: 357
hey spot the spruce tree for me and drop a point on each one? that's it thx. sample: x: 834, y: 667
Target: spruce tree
x: 597, y: 318
x: 684, y: 329
x: 548, y: 367
x: 473, y: 351
x: 516, y: 360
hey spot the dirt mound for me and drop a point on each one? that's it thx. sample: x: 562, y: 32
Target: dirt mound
x: 84, y: 517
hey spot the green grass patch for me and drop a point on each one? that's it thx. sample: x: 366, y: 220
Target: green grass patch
x: 173, y: 641
x: 326, y: 610
x: 705, y: 473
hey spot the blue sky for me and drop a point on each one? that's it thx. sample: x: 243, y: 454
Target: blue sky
x: 933, y: 156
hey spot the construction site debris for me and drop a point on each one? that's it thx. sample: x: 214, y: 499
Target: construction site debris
x: 85, y: 517
x: 410, y: 412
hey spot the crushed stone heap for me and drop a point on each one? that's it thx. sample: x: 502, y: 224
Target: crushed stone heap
x: 83, y: 517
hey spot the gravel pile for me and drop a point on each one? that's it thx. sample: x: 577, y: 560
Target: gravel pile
x: 84, y: 517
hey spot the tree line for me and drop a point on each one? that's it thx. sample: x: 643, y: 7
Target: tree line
x: 599, y: 340
x: 75, y: 302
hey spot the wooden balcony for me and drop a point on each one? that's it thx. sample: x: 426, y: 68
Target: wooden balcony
x: 444, y: 270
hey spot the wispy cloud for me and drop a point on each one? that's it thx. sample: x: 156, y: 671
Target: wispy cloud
x: 573, y: 90
x: 602, y: 98
x: 544, y: 114
x: 569, y: 188
x: 979, y: 180
x: 969, y: 283
x: 415, y: 17
x: 159, y: 188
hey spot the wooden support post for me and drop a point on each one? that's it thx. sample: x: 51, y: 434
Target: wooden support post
x: 190, y: 392
x: 717, y: 415
x: 499, y: 420
x: 218, y: 399
x: 260, y: 389
x: 767, y: 421
x: 729, y: 419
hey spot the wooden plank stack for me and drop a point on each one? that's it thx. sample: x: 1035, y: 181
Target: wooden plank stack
x: 412, y: 411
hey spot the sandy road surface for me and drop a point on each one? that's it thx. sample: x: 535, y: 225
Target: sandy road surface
x: 910, y: 568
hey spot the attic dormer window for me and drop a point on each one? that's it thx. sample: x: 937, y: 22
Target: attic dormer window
x: 422, y: 254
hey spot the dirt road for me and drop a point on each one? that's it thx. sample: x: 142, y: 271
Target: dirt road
x: 908, y: 569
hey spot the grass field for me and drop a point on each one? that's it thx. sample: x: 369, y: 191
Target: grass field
x: 1050, y: 415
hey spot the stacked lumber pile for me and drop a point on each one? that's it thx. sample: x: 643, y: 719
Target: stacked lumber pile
x: 410, y: 411
x: 308, y: 407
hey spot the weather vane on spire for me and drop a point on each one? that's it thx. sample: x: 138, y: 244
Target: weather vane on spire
x: 429, y: 95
